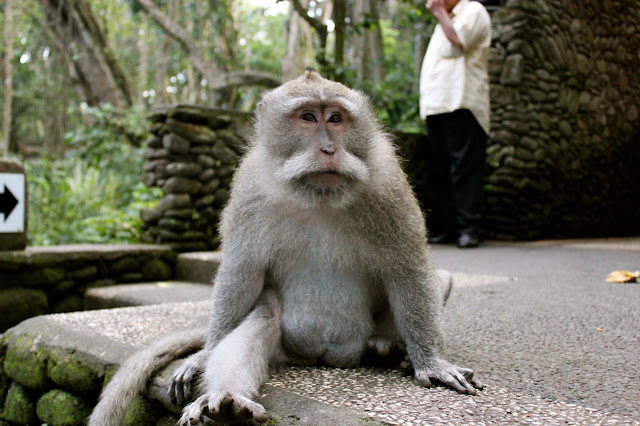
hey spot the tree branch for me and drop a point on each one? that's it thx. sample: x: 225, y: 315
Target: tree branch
x: 315, y: 23
x: 215, y: 77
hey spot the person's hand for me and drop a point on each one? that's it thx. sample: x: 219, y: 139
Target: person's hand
x: 436, y: 7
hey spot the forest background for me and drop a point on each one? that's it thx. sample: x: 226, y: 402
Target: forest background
x: 79, y: 76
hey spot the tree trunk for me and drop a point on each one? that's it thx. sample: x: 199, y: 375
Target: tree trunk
x: 100, y: 77
x: 339, y: 10
x: 215, y: 78
x: 143, y: 66
x: 368, y: 43
x: 294, y: 62
x: 8, y: 79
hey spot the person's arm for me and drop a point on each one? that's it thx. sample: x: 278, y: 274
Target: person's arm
x: 439, y: 10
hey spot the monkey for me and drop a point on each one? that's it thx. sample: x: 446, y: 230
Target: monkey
x: 325, y: 256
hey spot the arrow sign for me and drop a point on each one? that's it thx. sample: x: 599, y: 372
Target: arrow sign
x: 7, y: 202
x: 12, y: 202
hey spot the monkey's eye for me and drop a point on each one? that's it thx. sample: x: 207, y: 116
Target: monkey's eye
x: 307, y: 116
x: 335, y: 118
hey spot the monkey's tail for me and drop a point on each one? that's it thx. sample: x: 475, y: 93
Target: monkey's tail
x: 131, y: 378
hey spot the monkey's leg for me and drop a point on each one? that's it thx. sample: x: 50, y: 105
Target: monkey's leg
x: 237, y: 367
x: 387, y: 337
x: 416, y: 301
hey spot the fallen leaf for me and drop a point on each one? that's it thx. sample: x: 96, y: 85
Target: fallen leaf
x: 623, y: 277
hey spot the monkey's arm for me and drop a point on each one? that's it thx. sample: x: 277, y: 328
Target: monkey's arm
x: 416, y: 303
x: 237, y: 285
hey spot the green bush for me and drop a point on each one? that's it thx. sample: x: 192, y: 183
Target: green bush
x: 93, y: 194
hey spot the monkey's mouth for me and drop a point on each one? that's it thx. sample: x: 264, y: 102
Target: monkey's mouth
x: 326, y: 178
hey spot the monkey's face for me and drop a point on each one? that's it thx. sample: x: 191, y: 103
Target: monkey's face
x: 318, y: 146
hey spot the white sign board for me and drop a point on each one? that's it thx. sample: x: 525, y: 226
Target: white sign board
x: 12, y: 206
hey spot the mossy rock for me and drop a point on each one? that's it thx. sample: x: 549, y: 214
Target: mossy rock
x: 126, y: 264
x: 69, y: 371
x: 168, y: 421
x: 156, y: 270
x: 19, y: 406
x: 143, y: 412
x: 26, y: 363
x: 5, y: 381
x: 18, y: 304
x: 61, y: 408
x: 69, y: 303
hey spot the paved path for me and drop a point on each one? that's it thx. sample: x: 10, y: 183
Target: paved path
x: 554, y: 328
x: 552, y: 341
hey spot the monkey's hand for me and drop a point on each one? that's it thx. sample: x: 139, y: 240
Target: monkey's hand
x: 459, y: 378
x: 222, y: 407
x: 181, y: 383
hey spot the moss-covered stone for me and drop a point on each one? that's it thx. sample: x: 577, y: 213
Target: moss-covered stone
x: 143, y: 412
x: 126, y: 264
x: 18, y: 304
x: 102, y: 283
x: 26, y: 363
x: 61, y: 408
x: 19, y: 406
x: 69, y: 372
x: 84, y: 274
x: 168, y: 421
x: 40, y: 277
x: 156, y: 270
x: 5, y: 381
x: 69, y: 303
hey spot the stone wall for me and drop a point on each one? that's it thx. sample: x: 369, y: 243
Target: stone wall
x: 191, y: 155
x: 563, y: 151
x: 42, y: 280
x: 565, y: 139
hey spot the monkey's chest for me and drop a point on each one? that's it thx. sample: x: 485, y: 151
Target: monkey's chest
x: 326, y: 314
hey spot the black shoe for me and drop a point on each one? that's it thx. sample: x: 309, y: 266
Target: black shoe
x: 468, y: 241
x: 443, y: 238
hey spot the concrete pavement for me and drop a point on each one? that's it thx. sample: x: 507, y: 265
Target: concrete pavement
x: 552, y: 341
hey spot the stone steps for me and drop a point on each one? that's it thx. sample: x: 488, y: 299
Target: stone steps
x: 140, y: 294
x: 198, y: 267
x: 52, y: 368
x: 194, y: 274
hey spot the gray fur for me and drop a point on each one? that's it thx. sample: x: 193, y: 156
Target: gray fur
x: 316, y: 273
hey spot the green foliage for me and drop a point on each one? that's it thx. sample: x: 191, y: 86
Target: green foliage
x: 396, y: 98
x: 93, y: 194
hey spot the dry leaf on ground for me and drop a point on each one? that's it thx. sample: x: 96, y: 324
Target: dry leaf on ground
x: 623, y: 277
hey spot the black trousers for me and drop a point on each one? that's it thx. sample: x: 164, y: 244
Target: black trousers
x: 459, y: 146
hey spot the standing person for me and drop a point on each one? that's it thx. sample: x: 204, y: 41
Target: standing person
x: 454, y: 100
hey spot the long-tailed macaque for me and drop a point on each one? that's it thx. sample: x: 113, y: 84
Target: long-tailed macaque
x: 325, y: 255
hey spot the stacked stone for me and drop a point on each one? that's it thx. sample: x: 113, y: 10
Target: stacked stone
x: 565, y: 96
x: 42, y: 280
x: 191, y: 155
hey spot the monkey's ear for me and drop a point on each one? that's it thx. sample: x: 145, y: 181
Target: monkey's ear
x: 311, y: 74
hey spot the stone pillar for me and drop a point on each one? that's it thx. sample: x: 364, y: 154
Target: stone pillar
x: 192, y: 156
x: 13, y: 205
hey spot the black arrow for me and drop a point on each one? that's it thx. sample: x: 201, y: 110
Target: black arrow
x: 7, y: 203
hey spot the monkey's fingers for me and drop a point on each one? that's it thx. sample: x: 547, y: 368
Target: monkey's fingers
x: 468, y: 374
x: 180, y: 384
x: 449, y: 376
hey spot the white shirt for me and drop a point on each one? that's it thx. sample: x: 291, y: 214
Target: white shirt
x: 452, y: 79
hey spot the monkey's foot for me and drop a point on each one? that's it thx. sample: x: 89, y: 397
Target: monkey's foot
x: 383, y: 346
x: 223, y: 407
x: 181, y: 383
x: 459, y: 378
